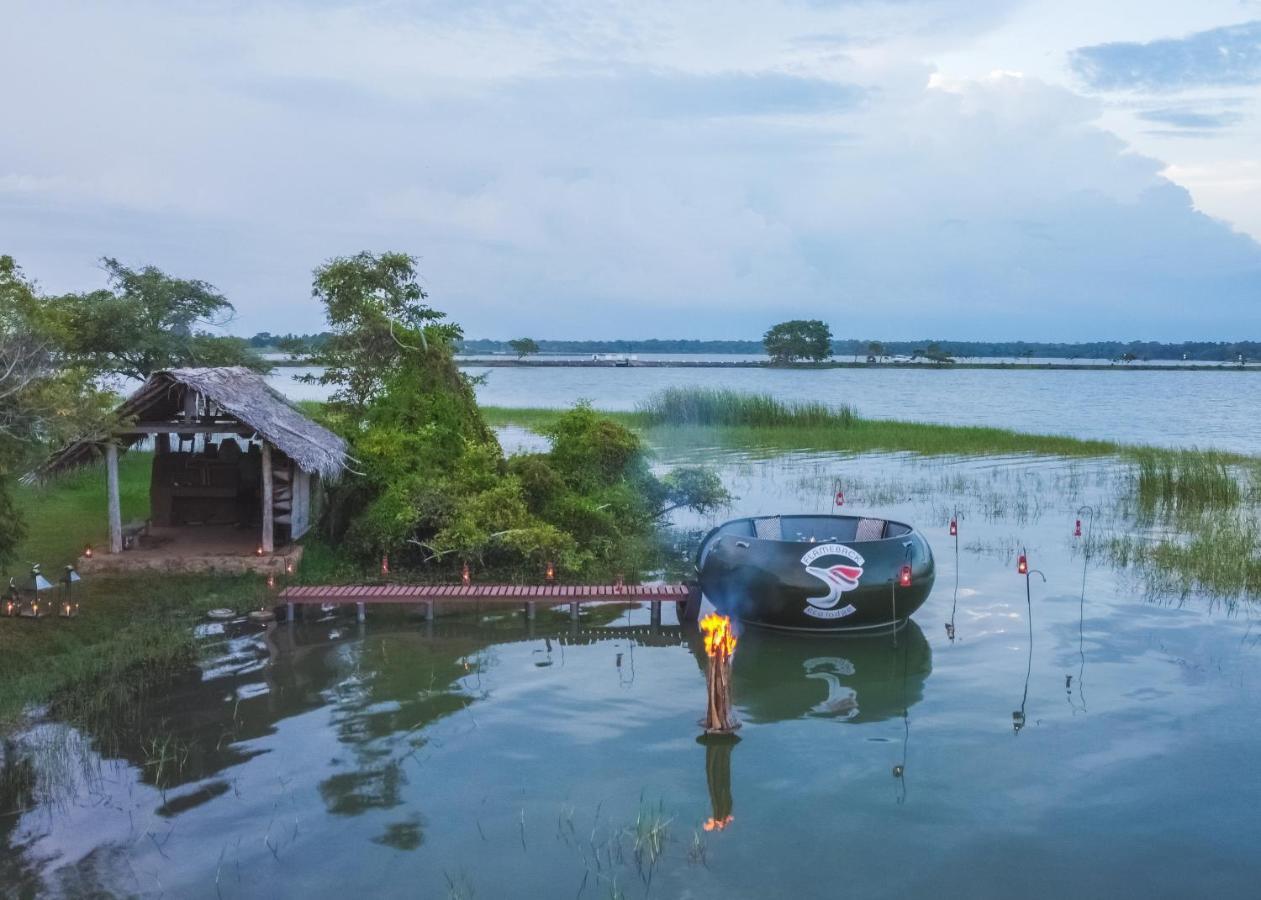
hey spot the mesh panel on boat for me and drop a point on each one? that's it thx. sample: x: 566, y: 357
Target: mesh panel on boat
x: 870, y: 530
x: 769, y: 529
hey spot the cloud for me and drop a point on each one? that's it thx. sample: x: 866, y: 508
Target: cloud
x: 1228, y: 56
x: 1189, y: 118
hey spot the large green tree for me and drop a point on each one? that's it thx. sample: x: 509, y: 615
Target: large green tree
x: 524, y: 347
x: 144, y: 321
x: 799, y: 339
x: 432, y: 486
x: 43, y: 401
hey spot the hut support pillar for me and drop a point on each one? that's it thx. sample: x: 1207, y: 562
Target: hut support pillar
x: 529, y: 610
x: 115, y: 507
x: 360, y: 612
x: 573, y: 612
x: 269, y: 525
x: 429, y: 611
x: 654, y: 614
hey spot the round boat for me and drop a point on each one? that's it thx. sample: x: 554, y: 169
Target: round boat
x: 816, y: 573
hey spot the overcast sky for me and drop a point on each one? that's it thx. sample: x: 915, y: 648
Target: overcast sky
x: 1038, y: 169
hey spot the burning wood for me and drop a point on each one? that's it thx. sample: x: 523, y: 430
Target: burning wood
x: 720, y: 644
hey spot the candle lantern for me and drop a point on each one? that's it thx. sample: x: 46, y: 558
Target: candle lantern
x: 39, y: 584
x: 904, y: 575
x: 271, y: 581
x: 69, y: 605
x: 840, y: 498
x: 258, y: 551
x: 549, y: 573
x: 1077, y: 529
x: 1022, y: 565
x: 466, y: 577
x: 288, y: 567
x: 954, y: 527
x: 11, y: 599
x: 385, y: 564
x: 87, y: 552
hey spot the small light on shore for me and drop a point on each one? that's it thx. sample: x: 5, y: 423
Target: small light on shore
x: 271, y: 581
x: 1022, y: 565
x: 840, y: 498
x: 258, y: 551
x: 954, y: 527
x: 87, y: 552
x: 1077, y: 529
x: 385, y: 564
x: 466, y: 577
x: 288, y: 567
x: 550, y: 574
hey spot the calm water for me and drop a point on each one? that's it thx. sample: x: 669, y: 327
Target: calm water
x: 488, y: 758
x: 1205, y: 409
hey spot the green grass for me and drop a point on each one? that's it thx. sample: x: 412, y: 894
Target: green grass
x: 129, y: 628
x: 1187, y: 480
x: 690, y: 407
x: 1219, y: 553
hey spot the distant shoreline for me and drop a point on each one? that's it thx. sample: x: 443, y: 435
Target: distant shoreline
x: 537, y: 363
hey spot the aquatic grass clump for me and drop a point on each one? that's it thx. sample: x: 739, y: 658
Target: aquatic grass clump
x: 718, y: 407
x: 1186, y: 480
x: 1222, y: 554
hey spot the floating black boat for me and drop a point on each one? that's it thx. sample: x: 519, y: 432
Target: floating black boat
x: 816, y: 573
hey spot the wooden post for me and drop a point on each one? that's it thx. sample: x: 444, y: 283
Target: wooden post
x: 529, y: 610
x: 115, y: 508
x: 360, y: 612
x: 429, y: 611
x: 269, y: 526
x: 573, y: 611
x: 654, y: 614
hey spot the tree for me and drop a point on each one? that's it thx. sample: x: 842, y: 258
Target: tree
x: 378, y: 316
x: 42, y: 402
x: 808, y: 339
x: 524, y: 347
x: 934, y: 353
x: 145, y: 321
x: 875, y: 350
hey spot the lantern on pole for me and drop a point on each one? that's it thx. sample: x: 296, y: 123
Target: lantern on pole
x: 385, y: 564
x: 11, y: 599
x: 1077, y: 529
x: 549, y: 573
x: 1022, y: 564
x: 87, y: 552
x: 840, y: 498
x: 39, y: 584
x: 954, y: 526
x: 466, y: 577
x: 904, y: 575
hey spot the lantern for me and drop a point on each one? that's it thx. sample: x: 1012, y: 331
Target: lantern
x: 549, y: 573
x: 466, y: 577
x: 385, y: 564
x: 11, y: 599
x: 954, y: 527
x: 1077, y: 529
x: 288, y: 567
x: 271, y: 581
x: 69, y: 605
x: 904, y: 576
x: 620, y: 582
x: 1022, y: 565
x: 840, y: 498
x: 87, y: 552
x: 39, y: 584
x: 258, y: 551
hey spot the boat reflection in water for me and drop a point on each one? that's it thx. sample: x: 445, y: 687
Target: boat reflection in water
x: 777, y: 676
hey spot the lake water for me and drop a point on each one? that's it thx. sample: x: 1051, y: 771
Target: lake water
x: 488, y: 757
x: 1204, y: 409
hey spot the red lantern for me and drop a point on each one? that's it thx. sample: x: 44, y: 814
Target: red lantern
x: 1022, y: 565
x: 385, y: 564
x: 550, y: 574
x: 465, y: 577
x: 904, y: 577
x: 1077, y: 529
x: 840, y: 498
x: 258, y: 551
x: 954, y: 527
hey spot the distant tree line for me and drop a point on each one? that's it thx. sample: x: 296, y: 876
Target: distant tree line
x: 1197, y: 351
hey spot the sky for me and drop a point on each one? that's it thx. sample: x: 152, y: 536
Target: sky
x: 959, y: 169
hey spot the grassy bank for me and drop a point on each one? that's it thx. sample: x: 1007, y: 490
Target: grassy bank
x: 130, y: 628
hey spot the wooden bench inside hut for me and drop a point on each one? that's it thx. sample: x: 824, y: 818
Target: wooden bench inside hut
x: 236, y: 475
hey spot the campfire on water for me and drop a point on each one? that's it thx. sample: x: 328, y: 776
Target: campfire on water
x: 720, y: 644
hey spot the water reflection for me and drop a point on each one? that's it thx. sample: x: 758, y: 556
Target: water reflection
x: 777, y: 677
x: 718, y: 749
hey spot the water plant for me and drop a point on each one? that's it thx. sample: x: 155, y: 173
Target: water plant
x: 710, y: 407
x: 1183, y: 480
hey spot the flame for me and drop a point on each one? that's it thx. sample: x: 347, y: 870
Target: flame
x: 720, y: 640
x: 712, y: 824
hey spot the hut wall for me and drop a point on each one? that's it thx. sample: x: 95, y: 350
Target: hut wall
x: 301, y: 504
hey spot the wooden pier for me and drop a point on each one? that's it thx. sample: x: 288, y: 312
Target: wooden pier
x: 474, y: 595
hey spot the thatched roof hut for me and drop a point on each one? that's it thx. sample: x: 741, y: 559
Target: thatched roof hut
x: 272, y: 455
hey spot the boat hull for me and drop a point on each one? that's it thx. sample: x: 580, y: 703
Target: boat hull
x: 837, y: 586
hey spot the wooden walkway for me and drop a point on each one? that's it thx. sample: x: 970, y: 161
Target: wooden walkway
x: 475, y: 594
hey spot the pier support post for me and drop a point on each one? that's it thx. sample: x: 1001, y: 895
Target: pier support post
x: 360, y: 612
x: 529, y: 610
x: 429, y: 611
x: 573, y: 611
x: 654, y: 614
x: 289, y: 611
x: 268, y: 538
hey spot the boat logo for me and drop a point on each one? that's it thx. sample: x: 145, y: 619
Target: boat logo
x: 838, y: 579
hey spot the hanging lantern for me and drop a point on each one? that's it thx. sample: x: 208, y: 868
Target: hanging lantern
x: 258, y: 551
x: 69, y: 605
x: 271, y: 581
x: 1077, y: 529
x: 11, y: 599
x: 288, y: 566
x: 87, y: 552
x: 954, y: 527
x: 385, y: 564
x: 840, y: 498
x: 904, y: 576
x: 1022, y: 565
x: 549, y: 573
x: 466, y: 577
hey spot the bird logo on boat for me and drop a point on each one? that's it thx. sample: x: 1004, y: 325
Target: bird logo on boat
x: 838, y: 578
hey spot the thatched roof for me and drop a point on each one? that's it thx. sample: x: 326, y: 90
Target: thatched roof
x: 235, y: 395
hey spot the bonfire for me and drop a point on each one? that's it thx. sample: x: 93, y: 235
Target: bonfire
x: 720, y: 645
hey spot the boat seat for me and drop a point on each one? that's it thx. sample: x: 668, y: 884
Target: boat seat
x: 769, y: 529
x: 869, y: 530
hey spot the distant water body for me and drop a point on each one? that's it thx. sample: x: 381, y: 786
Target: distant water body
x: 1181, y: 409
